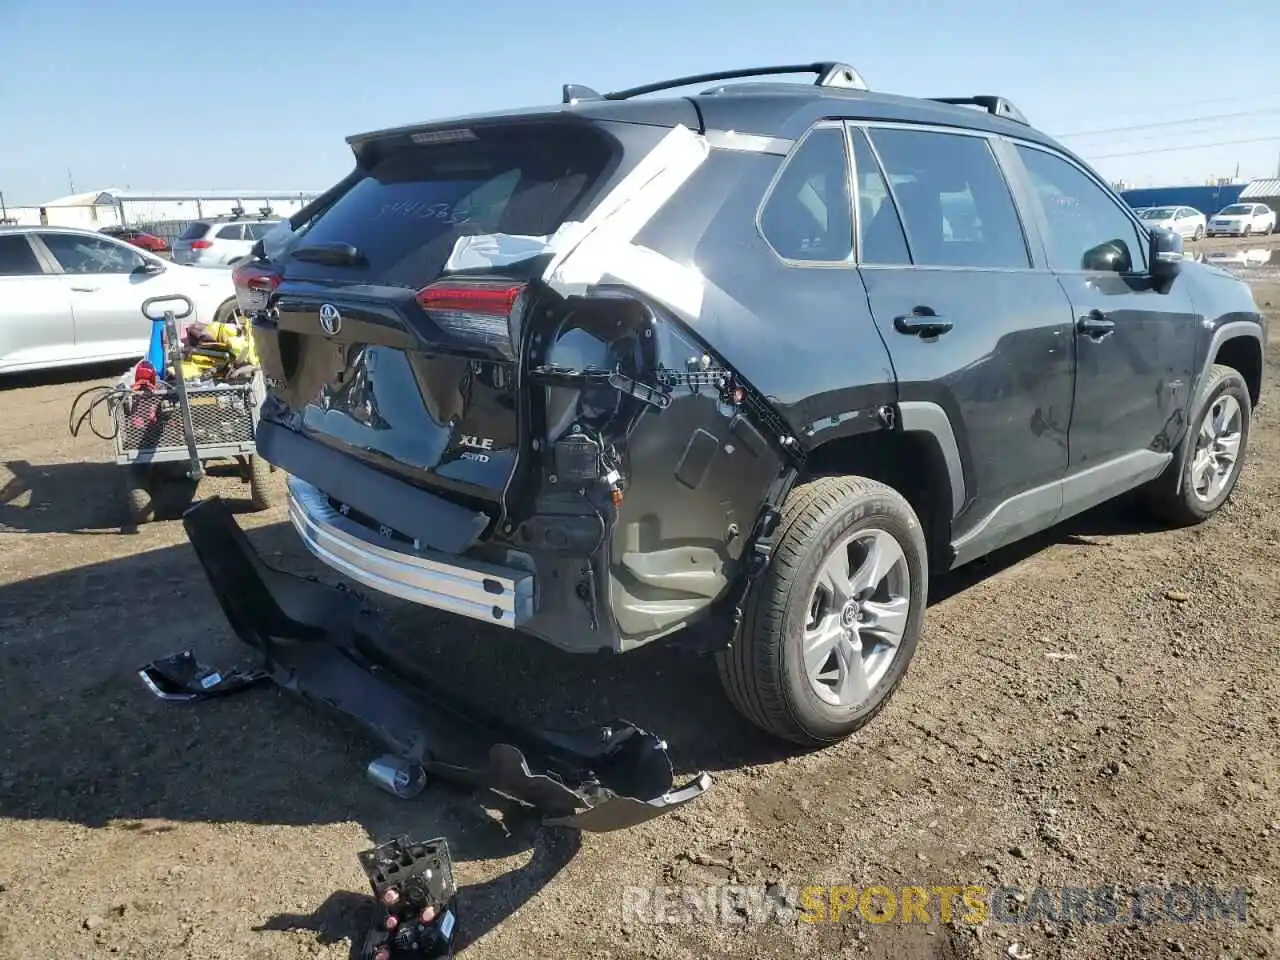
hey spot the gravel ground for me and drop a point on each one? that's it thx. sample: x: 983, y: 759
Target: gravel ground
x: 1097, y: 707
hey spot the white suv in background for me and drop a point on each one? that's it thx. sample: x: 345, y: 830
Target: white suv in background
x: 1242, y: 220
x: 220, y: 241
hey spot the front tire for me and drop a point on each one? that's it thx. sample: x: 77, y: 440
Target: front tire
x: 832, y: 624
x: 1211, y: 455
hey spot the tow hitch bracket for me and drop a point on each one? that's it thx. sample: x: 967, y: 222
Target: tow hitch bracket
x: 321, y: 643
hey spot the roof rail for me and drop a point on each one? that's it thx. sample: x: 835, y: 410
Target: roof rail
x: 997, y: 106
x: 829, y: 74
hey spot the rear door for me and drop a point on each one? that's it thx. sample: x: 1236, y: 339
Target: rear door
x: 377, y: 359
x: 975, y: 325
x: 106, y: 290
x: 36, y: 325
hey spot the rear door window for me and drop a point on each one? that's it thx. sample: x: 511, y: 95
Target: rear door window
x: 17, y: 259
x: 883, y: 241
x: 234, y: 231
x: 955, y: 203
x: 194, y: 231
x: 407, y: 212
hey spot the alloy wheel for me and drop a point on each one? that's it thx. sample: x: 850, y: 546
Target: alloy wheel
x: 857, y: 616
x: 1217, y: 448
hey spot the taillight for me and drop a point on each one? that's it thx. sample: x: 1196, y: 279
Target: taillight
x: 478, y: 311
x: 201, y: 244
x: 254, y: 283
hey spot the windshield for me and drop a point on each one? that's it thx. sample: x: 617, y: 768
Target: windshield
x: 1237, y: 209
x: 1157, y: 213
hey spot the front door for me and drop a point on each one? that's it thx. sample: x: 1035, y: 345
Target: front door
x: 1135, y: 339
x: 973, y: 324
x: 107, y: 291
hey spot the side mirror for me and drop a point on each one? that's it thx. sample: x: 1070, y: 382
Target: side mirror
x: 1165, y: 253
x: 1110, y: 257
x: 149, y: 268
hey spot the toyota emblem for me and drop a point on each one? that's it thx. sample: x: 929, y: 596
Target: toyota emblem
x: 330, y: 319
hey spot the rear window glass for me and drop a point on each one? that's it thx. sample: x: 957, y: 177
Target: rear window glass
x: 407, y: 212
x: 194, y: 232
x: 256, y: 231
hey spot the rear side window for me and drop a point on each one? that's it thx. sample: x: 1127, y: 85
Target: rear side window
x: 234, y: 231
x: 407, y: 212
x: 809, y: 213
x: 256, y: 231
x: 194, y: 231
x: 954, y: 200
x: 17, y: 259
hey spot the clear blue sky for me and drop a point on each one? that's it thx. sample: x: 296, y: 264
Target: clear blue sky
x: 199, y: 95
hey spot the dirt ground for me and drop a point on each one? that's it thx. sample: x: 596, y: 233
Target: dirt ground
x: 1095, y: 708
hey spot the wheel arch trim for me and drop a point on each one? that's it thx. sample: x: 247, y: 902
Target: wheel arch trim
x: 924, y: 416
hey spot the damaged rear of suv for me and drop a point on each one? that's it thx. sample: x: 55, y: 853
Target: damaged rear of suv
x: 484, y: 393
x: 598, y: 371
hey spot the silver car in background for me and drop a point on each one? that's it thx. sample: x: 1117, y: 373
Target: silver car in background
x: 71, y: 297
x: 220, y: 241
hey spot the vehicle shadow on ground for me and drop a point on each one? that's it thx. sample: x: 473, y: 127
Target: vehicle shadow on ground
x: 64, y: 375
x: 86, y: 744
x: 1120, y: 517
x: 88, y: 497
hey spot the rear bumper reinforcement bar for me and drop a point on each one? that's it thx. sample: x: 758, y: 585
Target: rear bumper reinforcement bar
x: 498, y: 595
x: 320, y: 642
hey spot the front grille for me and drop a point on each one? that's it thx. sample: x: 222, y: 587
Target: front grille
x: 220, y: 415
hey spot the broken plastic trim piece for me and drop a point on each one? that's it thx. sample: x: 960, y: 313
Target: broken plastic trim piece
x: 320, y: 643
x: 182, y: 677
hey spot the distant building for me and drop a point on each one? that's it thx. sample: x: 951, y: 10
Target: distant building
x: 111, y: 207
x: 1206, y: 199
x: 1263, y: 191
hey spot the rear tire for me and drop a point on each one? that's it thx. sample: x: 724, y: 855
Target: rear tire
x: 261, y: 494
x: 1199, y: 234
x: 822, y: 698
x: 227, y: 311
x: 1200, y: 481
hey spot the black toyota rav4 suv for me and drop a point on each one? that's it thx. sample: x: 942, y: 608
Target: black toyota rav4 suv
x: 767, y: 355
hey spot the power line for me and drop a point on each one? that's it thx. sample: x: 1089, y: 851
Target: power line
x: 1200, y: 146
x: 1149, y: 109
x: 1171, y: 123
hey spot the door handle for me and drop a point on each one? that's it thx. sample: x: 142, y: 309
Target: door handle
x: 85, y: 289
x: 1095, y: 325
x: 922, y: 324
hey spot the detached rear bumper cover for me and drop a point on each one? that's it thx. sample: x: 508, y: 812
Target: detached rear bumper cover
x: 319, y: 642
